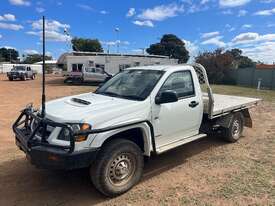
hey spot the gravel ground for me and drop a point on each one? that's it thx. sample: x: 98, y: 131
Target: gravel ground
x: 204, y: 172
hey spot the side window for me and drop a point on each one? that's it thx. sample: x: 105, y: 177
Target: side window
x: 99, y: 70
x: 180, y: 82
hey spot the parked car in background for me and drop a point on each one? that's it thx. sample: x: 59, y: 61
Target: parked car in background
x: 89, y: 74
x: 21, y: 72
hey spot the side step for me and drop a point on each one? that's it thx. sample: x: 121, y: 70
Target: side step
x: 178, y: 143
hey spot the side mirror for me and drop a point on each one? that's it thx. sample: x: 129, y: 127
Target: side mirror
x: 167, y: 96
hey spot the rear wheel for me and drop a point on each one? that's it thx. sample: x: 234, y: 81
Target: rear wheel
x: 10, y: 78
x: 33, y: 77
x: 118, y: 168
x: 234, y: 132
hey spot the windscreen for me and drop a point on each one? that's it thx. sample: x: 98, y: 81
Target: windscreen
x: 131, y: 84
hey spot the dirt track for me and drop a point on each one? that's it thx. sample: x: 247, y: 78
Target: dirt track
x: 205, y: 172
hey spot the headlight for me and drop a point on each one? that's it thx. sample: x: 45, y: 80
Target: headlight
x: 65, y: 134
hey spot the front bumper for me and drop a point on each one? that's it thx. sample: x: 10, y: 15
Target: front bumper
x: 45, y: 155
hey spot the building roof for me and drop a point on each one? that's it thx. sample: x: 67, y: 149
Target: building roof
x: 265, y: 66
x: 47, y: 62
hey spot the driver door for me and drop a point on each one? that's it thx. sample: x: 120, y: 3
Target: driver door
x: 181, y: 119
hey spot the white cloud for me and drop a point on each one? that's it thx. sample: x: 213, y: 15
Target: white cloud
x: 9, y: 47
x: 242, y: 13
x: 14, y: 27
x: 85, y: 7
x: 131, y: 12
x: 1, y: 36
x: 161, y: 12
x: 147, y: 23
x: 20, y: 2
x: 214, y: 41
x: 204, y: 1
x: 246, y: 26
x: 230, y: 28
x: 267, y: 12
x: 51, y: 36
x: 264, y: 52
x: 31, y: 51
x: 113, y: 43
x: 50, y: 25
x: 54, y: 30
x: 192, y: 48
x: 40, y: 9
x: 233, y: 3
x: 7, y: 17
x: 252, y: 37
x: 209, y: 34
x: 103, y: 12
x: 227, y: 12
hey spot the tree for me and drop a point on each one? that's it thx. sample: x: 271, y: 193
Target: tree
x: 240, y: 61
x: 33, y: 58
x: 217, y: 65
x: 8, y: 55
x: 86, y: 45
x: 170, y: 45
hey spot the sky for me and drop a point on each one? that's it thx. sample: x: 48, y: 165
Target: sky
x: 202, y: 24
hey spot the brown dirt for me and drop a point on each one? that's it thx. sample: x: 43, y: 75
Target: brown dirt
x: 205, y: 172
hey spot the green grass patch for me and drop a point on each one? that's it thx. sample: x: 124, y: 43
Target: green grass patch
x: 266, y: 95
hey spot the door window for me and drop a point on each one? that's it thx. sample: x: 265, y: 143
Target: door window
x: 99, y: 70
x: 180, y: 82
x: 90, y: 70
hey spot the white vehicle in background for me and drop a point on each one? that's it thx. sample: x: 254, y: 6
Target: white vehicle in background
x: 139, y: 112
x: 88, y: 74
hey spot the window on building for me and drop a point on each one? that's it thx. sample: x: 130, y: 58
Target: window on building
x: 77, y: 67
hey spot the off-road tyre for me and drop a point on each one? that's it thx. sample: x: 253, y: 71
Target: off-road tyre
x: 234, y: 131
x: 117, y: 158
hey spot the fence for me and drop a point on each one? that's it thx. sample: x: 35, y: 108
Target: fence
x: 250, y: 76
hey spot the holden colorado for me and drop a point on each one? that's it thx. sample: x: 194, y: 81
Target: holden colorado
x: 140, y: 112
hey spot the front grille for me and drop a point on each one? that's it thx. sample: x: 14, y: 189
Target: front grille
x: 39, y: 132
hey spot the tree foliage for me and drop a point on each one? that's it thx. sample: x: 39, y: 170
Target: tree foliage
x: 217, y: 64
x: 33, y: 58
x: 8, y: 54
x: 170, y: 45
x: 86, y: 45
x: 240, y: 61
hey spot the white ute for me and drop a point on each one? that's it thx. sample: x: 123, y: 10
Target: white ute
x: 139, y: 112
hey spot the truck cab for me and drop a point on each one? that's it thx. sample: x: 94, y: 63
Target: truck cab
x: 139, y: 112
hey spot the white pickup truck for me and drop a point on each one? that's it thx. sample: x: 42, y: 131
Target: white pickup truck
x: 139, y: 112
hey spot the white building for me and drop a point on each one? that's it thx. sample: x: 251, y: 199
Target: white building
x: 111, y: 63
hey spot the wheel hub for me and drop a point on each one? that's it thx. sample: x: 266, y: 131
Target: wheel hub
x: 121, y: 169
x: 236, y: 128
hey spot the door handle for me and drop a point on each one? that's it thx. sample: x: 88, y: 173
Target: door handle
x: 193, y: 104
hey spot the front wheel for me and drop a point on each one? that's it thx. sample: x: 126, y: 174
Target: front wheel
x: 33, y: 77
x: 234, y: 131
x: 24, y: 78
x: 119, y: 166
